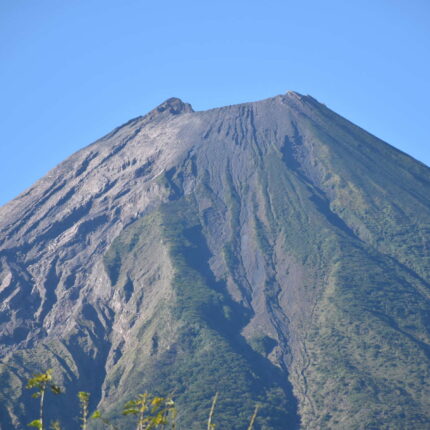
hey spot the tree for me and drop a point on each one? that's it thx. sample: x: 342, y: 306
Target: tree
x: 151, y: 413
x: 42, y: 382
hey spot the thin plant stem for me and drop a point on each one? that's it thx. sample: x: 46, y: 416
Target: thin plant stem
x: 211, y: 413
x: 42, y: 396
x: 254, y: 415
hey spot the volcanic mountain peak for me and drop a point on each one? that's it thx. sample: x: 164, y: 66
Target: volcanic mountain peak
x: 269, y: 251
x: 174, y: 106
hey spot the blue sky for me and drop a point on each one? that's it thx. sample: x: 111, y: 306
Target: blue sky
x: 73, y: 70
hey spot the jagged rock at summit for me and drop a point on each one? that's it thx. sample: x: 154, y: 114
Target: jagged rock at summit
x: 272, y: 252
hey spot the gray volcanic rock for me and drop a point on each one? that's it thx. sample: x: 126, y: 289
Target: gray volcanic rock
x: 270, y: 251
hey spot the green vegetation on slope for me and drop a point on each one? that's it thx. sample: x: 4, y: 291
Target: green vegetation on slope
x: 208, y: 353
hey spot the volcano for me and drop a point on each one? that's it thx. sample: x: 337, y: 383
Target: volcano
x: 271, y: 252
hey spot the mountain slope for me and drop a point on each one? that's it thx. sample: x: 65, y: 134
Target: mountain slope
x: 271, y: 251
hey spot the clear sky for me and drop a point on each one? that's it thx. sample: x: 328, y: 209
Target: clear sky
x: 72, y: 70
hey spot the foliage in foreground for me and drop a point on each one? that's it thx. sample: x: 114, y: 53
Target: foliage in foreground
x: 150, y: 412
